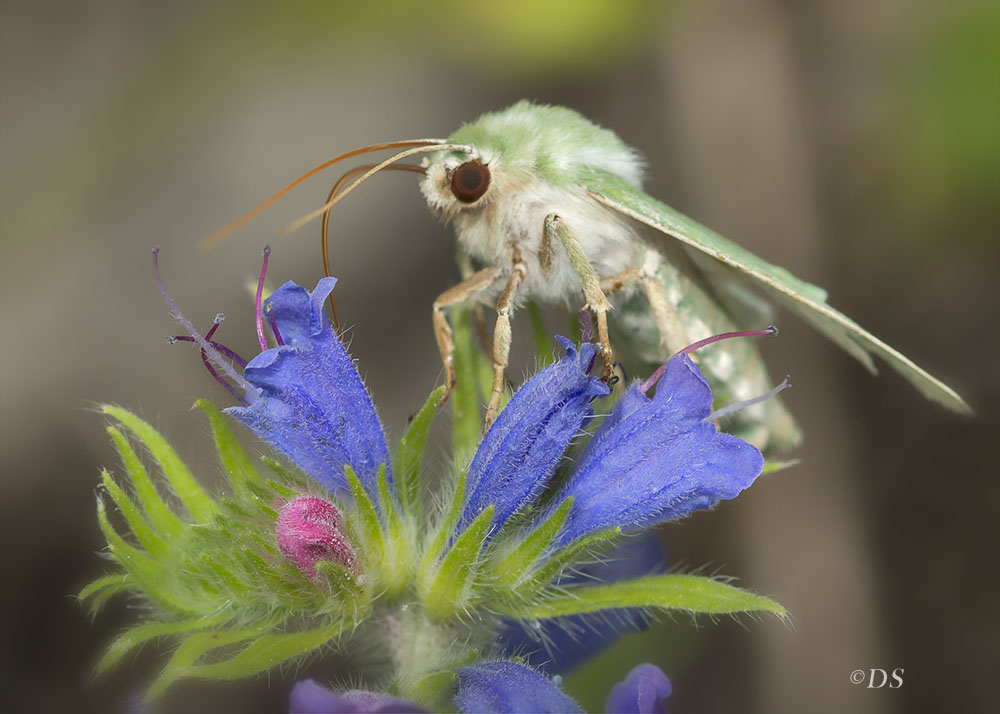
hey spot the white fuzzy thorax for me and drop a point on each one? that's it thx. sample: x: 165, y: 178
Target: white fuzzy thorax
x: 511, y: 215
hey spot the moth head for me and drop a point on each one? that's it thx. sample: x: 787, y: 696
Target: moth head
x: 457, y: 182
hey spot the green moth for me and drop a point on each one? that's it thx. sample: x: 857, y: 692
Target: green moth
x: 531, y: 166
x: 550, y: 208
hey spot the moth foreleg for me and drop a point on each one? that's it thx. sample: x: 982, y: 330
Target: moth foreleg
x: 502, y: 335
x: 589, y: 280
x: 475, y: 283
x: 673, y: 335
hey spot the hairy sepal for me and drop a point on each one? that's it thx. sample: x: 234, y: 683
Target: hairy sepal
x: 447, y: 590
x: 691, y: 593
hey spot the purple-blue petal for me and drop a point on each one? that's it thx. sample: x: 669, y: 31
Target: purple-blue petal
x: 642, y: 692
x: 308, y: 697
x: 657, y: 459
x: 508, y: 688
x: 313, y: 406
x: 521, y: 450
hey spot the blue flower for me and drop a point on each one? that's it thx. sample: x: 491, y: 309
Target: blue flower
x: 657, y: 459
x: 642, y: 692
x: 312, y: 405
x: 307, y: 697
x: 522, y: 448
x: 501, y: 687
x: 494, y: 688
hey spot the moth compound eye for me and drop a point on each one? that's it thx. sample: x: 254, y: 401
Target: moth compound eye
x: 470, y: 181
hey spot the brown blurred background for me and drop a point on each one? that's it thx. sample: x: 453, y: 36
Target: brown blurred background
x: 856, y: 143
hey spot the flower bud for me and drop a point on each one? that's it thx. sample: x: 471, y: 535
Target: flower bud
x: 310, y: 530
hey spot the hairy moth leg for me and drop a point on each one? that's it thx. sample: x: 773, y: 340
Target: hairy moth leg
x: 475, y: 283
x: 589, y: 280
x: 502, y: 334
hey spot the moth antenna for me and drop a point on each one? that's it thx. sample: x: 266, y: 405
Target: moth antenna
x: 325, y: 226
x: 298, y: 223
x: 786, y: 383
x: 209, y: 242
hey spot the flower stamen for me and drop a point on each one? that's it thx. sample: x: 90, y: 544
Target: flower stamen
x: 655, y: 376
x: 257, y: 311
x: 210, y: 350
x: 786, y: 383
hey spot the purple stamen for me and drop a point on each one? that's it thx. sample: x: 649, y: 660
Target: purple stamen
x: 258, y: 313
x: 219, y: 347
x: 216, y: 321
x: 209, y: 351
x: 729, y: 409
x: 274, y: 328
x: 221, y: 380
x: 771, y: 330
x: 655, y: 376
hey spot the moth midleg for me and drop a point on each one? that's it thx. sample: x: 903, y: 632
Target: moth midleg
x: 669, y: 326
x: 502, y: 335
x: 475, y: 283
x: 589, y: 280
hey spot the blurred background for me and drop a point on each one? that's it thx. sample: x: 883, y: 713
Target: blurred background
x: 855, y: 143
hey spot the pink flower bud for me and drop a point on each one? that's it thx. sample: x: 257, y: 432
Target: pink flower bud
x: 308, y: 531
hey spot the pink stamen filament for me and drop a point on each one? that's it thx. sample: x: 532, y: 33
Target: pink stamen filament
x: 208, y: 349
x: 258, y: 312
x: 661, y: 370
x: 730, y: 408
x: 274, y: 329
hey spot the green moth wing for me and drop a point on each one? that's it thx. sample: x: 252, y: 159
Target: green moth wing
x: 804, y: 299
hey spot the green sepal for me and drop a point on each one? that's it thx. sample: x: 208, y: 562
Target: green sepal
x: 103, y: 589
x: 161, y: 518
x: 771, y: 467
x: 551, y: 569
x: 367, y: 521
x: 410, y: 453
x: 195, y: 499
x: 435, y: 547
x: 238, y: 466
x: 158, y: 583
x: 193, y: 648
x: 449, y: 589
x: 141, y: 634
x: 433, y: 691
x: 137, y: 523
x: 510, y: 570
x: 343, y: 583
x: 692, y: 593
x: 397, y: 562
x: 265, y: 652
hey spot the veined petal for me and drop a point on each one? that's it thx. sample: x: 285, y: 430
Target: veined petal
x: 313, y: 406
x: 509, y: 688
x: 656, y: 459
x: 520, y: 451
